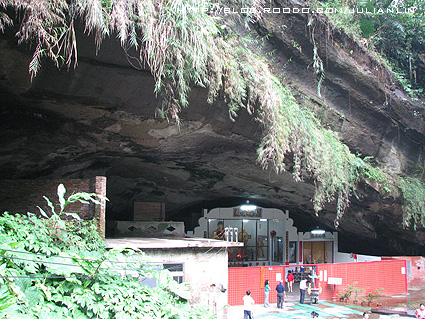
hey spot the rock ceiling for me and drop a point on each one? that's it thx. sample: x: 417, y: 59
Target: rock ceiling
x: 99, y: 119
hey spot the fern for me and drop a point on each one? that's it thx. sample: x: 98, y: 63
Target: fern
x: 35, y: 63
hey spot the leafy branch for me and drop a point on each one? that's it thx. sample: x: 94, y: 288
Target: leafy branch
x: 41, y: 277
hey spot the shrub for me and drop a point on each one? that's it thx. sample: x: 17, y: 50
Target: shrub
x: 50, y: 268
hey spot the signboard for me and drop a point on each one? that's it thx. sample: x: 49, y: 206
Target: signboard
x: 334, y: 281
x: 317, y: 235
x: 238, y: 212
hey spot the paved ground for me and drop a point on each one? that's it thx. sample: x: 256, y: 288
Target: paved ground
x: 332, y: 310
x: 300, y: 311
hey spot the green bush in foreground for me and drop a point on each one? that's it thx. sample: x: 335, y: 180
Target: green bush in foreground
x: 50, y: 268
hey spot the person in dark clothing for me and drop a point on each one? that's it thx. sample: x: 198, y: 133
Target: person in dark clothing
x: 280, y: 295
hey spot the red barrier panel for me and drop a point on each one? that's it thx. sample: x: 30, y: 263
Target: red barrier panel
x: 242, y: 279
x: 390, y: 275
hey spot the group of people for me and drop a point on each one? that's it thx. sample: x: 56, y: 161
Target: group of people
x: 280, y: 288
x: 248, y: 301
x: 281, y: 294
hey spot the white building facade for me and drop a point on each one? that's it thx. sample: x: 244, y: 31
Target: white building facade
x: 268, y: 235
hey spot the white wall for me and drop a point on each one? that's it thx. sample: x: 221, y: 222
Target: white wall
x: 205, y: 273
x: 346, y: 258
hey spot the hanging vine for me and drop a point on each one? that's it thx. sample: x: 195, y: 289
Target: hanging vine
x: 183, y: 47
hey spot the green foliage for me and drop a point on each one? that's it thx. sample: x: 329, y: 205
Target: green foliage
x: 356, y: 290
x: 395, y: 32
x: 348, y: 291
x: 366, y: 28
x: 317, y: 61
x: 345, y: 294
x: 399, y: 38
x: 185, y: 45
x: 372, y: 296
x: 413, y: 191
x: 43, y: 277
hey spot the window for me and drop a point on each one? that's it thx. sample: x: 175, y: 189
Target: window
x: 253, y: 233
x: 176, y: 271
x: 277, y: 249
x: 216, y: 229
x: 233, y: 252
x: 262, y: 239
x: 248, y: 237
x: 292, y: 252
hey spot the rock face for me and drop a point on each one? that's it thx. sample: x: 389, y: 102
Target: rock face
x: 99, y: 119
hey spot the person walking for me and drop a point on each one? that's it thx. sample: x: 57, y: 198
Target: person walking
x: 291, y: 280
x: 266, y: 294
x: 365, y: 315
x: 248, y: 302
x: 303, y: 288
x: 280, y: 295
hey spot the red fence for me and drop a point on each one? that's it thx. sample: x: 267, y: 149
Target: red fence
x: 390, y: 275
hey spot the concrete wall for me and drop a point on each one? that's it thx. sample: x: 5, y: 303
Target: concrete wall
x: 346, y: 258
x: 148, y: 211
x: 205, y: 270
x: 22, y: 196
x: 147, y: 229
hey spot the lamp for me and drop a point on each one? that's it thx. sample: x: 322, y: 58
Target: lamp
x: 318, y: 231
x: 248, y: 207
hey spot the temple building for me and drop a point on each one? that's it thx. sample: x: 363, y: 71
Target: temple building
x: 268, y: 235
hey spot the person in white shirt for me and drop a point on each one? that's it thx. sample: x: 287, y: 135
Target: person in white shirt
x: 248, y: 302
x: 303, y: 288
